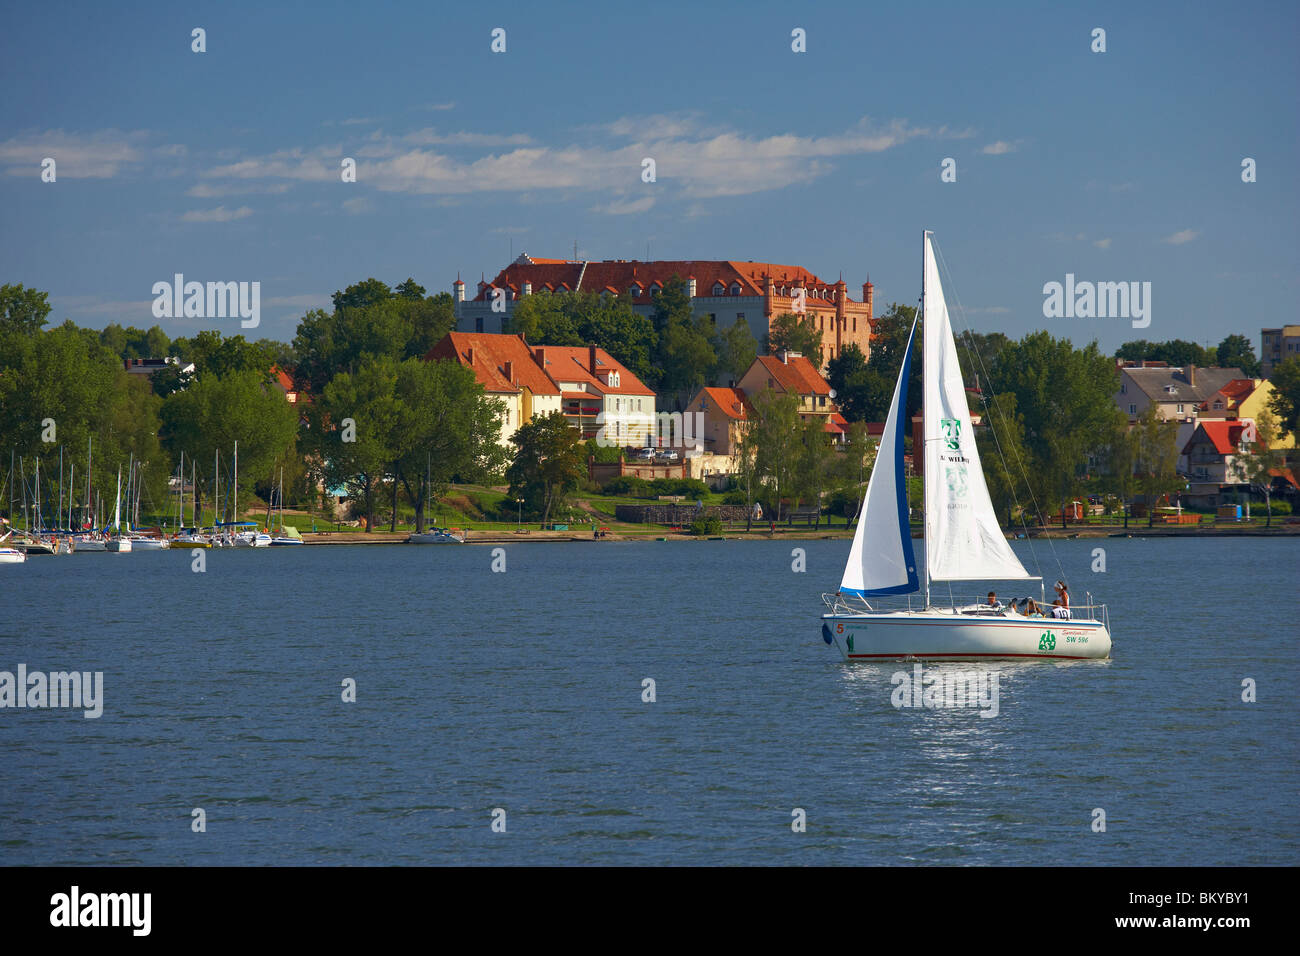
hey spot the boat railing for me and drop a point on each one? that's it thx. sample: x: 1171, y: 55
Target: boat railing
x: 841, y: 603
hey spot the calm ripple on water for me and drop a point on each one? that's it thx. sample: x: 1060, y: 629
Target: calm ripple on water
x: 522, y: 691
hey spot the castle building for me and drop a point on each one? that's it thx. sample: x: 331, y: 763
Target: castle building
x: 752, y: 292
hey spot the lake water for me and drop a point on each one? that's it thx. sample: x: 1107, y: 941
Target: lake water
x: 522, y: 690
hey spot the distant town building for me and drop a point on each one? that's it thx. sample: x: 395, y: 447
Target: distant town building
x: 752, y: 292
x: 147, y: 366
x: 587, y: 384
x: 1277, y: 345
x: 793, y: 374
x: 1178, y: 392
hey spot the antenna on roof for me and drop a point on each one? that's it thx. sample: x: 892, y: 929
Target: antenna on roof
x: 575, y: 250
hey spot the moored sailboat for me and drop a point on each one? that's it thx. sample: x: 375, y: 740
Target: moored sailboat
x: 963, y: 541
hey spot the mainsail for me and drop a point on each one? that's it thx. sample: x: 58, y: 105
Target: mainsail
x: 963, y: 541
x: 881, y: 560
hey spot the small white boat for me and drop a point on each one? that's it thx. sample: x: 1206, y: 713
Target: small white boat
x: 89, y: 542
x: 12, y: 556
x: 963, y: 541
x: 146, y: 543
x: 118, y: 545
x: 436, y: 536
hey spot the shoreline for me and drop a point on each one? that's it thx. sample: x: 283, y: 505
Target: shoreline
x: 337, y: 538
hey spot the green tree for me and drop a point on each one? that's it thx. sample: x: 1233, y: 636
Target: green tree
x: 736, y: 349
x: 1285, y: 401
x: 548, y: 463
x: 889, y: 335
x: 1236, y: 351
x: 1258, y: 460
x: 774, y: 435
x: 410, y: 289
x: 1121, y: 456
x: 360, y: 295
x: 862, y: 392
x: 1064, y: 396
x: 1155, y: 458
x: 794, y: 333
x: 354, y: 427
x: 815, y: 462
x: 446, y: 427
x: 1002, y: 452
x: 214, y: 412
x: 683, y: 358
x: 22, y: 310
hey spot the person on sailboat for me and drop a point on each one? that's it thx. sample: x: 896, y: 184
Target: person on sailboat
x: 1061, y: 606
x: 1031, y: 608
x: 994, y: 603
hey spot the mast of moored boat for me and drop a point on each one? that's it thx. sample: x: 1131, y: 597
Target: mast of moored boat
x: 925, y: 459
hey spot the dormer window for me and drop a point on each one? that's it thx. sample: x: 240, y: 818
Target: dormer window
x: 735, y: 288
x: 719, y: 289
x: 613, y: 380
x: 656, y: 288
x: 1218, y: 406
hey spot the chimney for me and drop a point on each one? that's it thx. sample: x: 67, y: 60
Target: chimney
x: 510, y: 372
x: 591, y: 358
x: 1191, y: 374
x: 690, y: 286
x: 539, y: 354
x: 866, y: 296
x: 528, y: 287
x: 458, y: 290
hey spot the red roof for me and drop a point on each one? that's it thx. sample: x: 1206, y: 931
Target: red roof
x: 730, y: 401
x: 796, y: 374
x: 570, y: 363
x: 1223, y: 435
x: 487, y: 354
x: 620, y: 275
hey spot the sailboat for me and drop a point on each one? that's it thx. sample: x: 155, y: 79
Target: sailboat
x: 118, y: 542
x: 963, y: 541
x: 288, y: 536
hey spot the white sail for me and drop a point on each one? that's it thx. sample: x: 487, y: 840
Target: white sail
x: 881, y: 560
x: 963, y: 541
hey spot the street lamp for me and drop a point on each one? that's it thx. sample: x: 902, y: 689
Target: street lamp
x: 520, y: 521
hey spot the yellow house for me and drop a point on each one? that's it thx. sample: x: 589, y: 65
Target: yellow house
x: 1244, y: 398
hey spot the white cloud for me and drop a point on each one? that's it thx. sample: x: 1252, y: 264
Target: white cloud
x: 1102, y: 243
x: 722, y: 164
x: 220, y: 214
x: 357, y: 205
x: 989, y: 310
x: 99, y: 155
x: 998, y: 148
x: 206, y: 191
x: 623, y: 207
x: 1178, y: 238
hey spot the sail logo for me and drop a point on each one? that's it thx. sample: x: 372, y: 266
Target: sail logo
x: 951, y: 429
x: 943, y: 689
x: 1098, y: 300
x: 955, y: 478
x: 216, y: 300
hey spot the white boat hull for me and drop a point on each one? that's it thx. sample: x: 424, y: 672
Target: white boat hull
x: 119, y: 545
x: 149, y: 544
x: 435, y: 537
x: 91, y: 544
x: 11, y: 556
x: 946, y: 635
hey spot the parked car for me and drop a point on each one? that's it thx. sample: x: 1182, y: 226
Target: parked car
x: 667, y: 454
x: 645, y: 454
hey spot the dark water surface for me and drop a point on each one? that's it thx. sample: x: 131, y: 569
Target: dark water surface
x: 523, y: 690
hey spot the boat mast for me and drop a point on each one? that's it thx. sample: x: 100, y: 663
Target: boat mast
x: 925, y: 430
x: 234, y: 495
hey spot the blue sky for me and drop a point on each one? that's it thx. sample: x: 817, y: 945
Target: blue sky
x: 1115, y: 166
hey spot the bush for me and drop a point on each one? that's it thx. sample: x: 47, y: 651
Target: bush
x: 706, y: 525
x: 844, y: 502
x: 735, y: 497
x: 628, y: 485
x: 607, y: 455
x: 688, y: 487
x: 1275, y: 508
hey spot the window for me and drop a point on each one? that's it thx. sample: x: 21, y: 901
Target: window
x: 1180, y: 409
x: 635, y: 291
x: 735, y: 288
x: 719, y: 289
x: 1123, y: 388
x: 740, y: 316
x: 1218, y: 405
x: 478, y: 324
x: 1132, y: 409
x: 821, y: 401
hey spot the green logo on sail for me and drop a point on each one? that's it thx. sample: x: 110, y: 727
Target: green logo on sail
x: 951, y: 433
x: 1047, y: 642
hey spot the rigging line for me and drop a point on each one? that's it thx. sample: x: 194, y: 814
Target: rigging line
x: 997, y: 443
